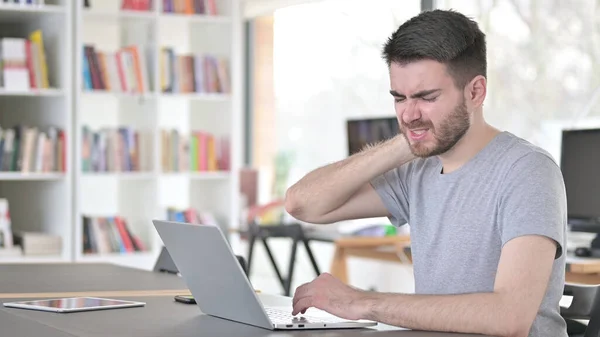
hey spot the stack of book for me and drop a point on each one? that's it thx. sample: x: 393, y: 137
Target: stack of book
x: 136, y: 5
x: 201, y: 151
x: 22, y: 2
x: 23, y: 63
x: 18, y: 243
x: 190, y: 7
x: 38, y: 244
x: 193, y: 73
x: 130, y: 5
x: 125, y: 70
x: 190, y: 215
x: 109, y: 234
x: 7, y: 247
x: 32, y: 149
x: 119, y: 149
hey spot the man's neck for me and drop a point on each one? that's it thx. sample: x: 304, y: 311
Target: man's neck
x: 477, y: 137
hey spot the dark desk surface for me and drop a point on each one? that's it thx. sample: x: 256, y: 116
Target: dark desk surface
x: 68, y: 277
x: 161, y: 317
x: 17, y: 326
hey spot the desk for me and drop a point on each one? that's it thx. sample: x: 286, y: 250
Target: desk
x: 94, y: 279
x: 161, y: 316
x: 17, y: 326
x: 164, y: 317
x: 397, y: 249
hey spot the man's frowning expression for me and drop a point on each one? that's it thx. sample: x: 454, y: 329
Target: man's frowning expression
x: 431, y: 110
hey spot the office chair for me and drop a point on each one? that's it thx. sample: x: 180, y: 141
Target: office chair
x: 585, y: 306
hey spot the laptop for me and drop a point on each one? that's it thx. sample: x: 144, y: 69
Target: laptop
x: 221, y: 289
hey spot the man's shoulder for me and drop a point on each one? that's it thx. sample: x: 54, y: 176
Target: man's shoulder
x: 514, y: 150
x: 506, y: 154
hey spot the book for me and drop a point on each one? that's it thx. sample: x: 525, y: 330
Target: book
x: 6, y: 236
x: 193, y: 73
x: 190, y: 7
x: 108, y: 235
x: 34, y: 149
x: 198, y: 151
x: 37, y: 243
x: 121, y: 149
x: 23, y: 63
x: 125, y: 70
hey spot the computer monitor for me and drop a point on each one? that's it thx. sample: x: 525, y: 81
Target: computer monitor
x: 580, y: 166
x: 362, y: 132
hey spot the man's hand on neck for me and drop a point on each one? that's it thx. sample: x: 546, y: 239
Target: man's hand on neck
x: 342, y: 190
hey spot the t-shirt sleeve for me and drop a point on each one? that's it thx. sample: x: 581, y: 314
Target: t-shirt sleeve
x: 392, y: 189
x: 533, y: 201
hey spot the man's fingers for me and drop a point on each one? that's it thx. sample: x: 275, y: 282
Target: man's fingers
x: 301, y: 306
x: 297, y: 299
x: 301, y: 292
x: 302, y: 289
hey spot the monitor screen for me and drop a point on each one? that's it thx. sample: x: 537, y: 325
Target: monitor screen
x: 368, y: 131
x: 580, y: 165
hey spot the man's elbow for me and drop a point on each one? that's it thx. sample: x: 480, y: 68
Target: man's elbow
x: 292, y: 203
x: 517, y: 329
x: 517, y: 323
x: 296, y: 206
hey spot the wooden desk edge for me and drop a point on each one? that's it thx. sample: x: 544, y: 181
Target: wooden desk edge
x: 371, y: 241
x: 583, y: 268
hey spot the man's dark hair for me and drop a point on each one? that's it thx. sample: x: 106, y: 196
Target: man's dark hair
x: 445, y: 36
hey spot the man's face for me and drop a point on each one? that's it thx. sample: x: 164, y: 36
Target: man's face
x: 431, y: 111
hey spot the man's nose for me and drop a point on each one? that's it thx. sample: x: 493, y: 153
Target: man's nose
x: 411, y: 112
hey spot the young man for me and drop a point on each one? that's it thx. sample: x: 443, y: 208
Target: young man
x: 487, y: 210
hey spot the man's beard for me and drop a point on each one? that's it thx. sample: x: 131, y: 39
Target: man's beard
x: 446, y: 135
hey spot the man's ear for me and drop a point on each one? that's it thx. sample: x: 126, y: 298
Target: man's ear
x: 476, y: 91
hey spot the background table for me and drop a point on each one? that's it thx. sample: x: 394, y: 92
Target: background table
x: 397, y: 249
x: 386, y: 248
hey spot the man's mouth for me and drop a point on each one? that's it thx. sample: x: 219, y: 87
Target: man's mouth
x: 417, y: 134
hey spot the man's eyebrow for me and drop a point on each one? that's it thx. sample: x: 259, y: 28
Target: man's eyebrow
x: 416, y: 95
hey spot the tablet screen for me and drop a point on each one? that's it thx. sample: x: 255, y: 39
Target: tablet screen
x: 73, y: 304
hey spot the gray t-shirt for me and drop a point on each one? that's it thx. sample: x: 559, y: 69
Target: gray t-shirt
x: 460, y: 221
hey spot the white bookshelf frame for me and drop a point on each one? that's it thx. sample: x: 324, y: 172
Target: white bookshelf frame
x: 157, y: 186
x: 41, y: 202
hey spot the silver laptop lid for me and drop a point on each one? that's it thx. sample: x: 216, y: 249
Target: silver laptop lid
x: 211, y: 271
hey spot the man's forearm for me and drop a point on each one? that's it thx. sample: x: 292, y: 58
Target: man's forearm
x: 327, y: 188
x: 483, y: 313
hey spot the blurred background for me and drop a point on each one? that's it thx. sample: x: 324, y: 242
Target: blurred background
x: 315, y: 66
x: 118, y: 112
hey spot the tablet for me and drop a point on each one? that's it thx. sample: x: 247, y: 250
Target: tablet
x: 74, y: 304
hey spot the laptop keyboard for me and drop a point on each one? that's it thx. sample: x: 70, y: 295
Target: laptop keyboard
x: 279, y: 316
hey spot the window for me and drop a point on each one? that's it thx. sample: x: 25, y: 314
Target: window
x: 543, y: 65
x: 327, y: 68
x: 543, y: 74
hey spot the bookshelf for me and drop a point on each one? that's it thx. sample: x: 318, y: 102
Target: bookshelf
x: 173, y: 121
x: 35, y: 97
x: 168, y: 128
